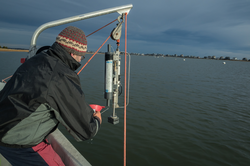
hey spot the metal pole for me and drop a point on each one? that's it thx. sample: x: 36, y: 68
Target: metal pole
x: 119, y: 9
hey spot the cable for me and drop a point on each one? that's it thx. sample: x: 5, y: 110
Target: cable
x: 99, y: 47
x: 93, y: 56
x: 128, y: 82
x: 6, y: 79
x: 104, y: 110
x: 125, y: 90
x: 101, y: 28
x: 120, y: 90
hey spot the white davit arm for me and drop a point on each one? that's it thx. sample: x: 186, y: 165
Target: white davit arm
x: 119, y: 9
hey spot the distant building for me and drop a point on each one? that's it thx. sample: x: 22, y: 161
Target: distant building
x: 227, y: 58
x: 221, y: 58
x: 244, y: 59
x: 213, y: 57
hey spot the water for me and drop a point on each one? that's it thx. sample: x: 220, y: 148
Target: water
x: 193, y: 112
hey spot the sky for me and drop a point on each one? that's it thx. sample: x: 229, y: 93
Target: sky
x: 188, y: 27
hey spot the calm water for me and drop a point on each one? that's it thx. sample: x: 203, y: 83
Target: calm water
x: 193, y: 112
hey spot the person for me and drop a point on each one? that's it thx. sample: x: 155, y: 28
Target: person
x: 43, y: 92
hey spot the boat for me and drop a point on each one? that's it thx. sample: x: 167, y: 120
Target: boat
x: 62, y: 146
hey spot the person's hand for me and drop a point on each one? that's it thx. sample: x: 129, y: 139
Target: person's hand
x: 98, y: 115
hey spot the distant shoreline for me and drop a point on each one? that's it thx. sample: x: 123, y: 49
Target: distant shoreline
x: 19, y: 50
x: 12, y: 50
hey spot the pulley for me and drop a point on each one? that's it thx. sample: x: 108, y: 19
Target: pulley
x: 116, y: 32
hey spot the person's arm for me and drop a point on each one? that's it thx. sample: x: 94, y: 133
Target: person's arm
x: 76, y: 115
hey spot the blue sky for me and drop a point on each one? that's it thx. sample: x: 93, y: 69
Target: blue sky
x: 189, y: 27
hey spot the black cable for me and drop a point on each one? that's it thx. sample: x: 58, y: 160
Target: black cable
x: 120, y: 90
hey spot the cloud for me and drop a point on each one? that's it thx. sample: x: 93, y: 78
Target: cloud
x: 214, y: 26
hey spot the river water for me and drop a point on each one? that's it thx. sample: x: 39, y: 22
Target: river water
x: 192, y: 112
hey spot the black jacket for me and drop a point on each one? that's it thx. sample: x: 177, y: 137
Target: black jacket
x: 44, y: 91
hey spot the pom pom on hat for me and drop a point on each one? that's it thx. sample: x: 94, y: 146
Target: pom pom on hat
x: 73, y: 40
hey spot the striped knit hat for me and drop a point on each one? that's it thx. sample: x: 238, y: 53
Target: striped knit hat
x: 73, y: 40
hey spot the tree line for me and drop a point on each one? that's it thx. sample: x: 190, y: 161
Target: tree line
x: 3, y: 47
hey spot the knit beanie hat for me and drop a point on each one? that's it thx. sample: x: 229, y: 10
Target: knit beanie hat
x: 73, y: 40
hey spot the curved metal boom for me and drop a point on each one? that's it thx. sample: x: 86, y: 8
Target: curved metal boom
x: 119, y: 9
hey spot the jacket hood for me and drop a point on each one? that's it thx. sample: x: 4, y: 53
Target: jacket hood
x: 57, y: 51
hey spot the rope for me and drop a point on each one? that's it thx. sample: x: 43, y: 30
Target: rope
x: 125, y: 90
x: 6, y: 79
x: 92, y: 56
x: 99, y: 47
x: 101, y: 28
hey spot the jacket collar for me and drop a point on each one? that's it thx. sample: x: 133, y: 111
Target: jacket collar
x: 57, y: 51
